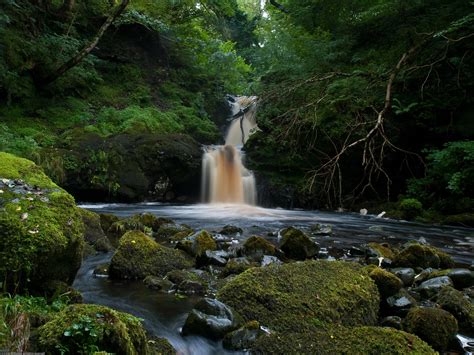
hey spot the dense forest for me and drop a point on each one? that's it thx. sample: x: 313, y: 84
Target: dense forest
x: 114, y: 121
x: 361, y: 103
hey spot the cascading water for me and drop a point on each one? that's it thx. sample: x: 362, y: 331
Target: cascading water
x: 224, y: 177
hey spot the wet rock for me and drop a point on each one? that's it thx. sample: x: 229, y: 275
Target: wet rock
x: 462, y: 278
x: 270, y: 260
x: 407, y: 275
x: 401, y: 302
x: 230, y: 230
x: 190, y: 287
x: 157, y: 283
x: 355, y: 251
x: 433, y: 325
x: 431, y: 287
x: 387, y: 283
x: 458, y: 305
x: 392, y: 322
x: 256, y: 247
x: 242, y: 338
x: 424, y: 275
x: 101, y: 270
x: 297, y: 245
x: 320, y: 229
x: 218, y: 258
x: 212, y: 319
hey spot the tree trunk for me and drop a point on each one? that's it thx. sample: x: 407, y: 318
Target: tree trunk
x: 71, y: 63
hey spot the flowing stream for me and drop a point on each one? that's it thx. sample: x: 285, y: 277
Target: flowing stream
x: 164, y: 314
x: 230, y: 188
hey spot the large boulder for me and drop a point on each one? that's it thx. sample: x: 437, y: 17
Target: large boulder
x: 341, y: 340
x: 435, y: 326
x: 83, y: 329
x: 138, y: 256
x: 41, y: 229
x: 256, y: 247
x: 299, y: 296
x: 417, y: 255
x: 459, y: 306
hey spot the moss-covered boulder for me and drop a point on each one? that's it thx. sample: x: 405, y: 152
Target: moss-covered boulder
x: 297, y: 245
x: 387, y: 283
x: 41, y: 229
x: 341, y: 340
x: 230, y: 230
x: 197, y: 244
x: 256, y: 247
x: 417, y: 255
x: 169, y: 230
x: 138, y: 256
x: 188, y: 282
x: 299, y: 296
x: 459, y: 306
x: 381, y: 250
x: 236, y: 266
x: 88, y: 328
x: 93, y: 232
x: 435, y: 326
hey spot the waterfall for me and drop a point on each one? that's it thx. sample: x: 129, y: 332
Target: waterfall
x: 224, y: 177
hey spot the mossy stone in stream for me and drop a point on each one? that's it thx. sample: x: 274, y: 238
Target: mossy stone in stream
x: 160, y: 346
x: 341, y: 340
x: 459, y: 306
x: 382, y: 250
x: 41, y: 229
x: 300, y: 296
x: 138, y: 256
x: 197, y: 244
x: 93, y: 233
x: 256, y: 247
x: 435, y: 326
x: 84, y: 328
x: 417, y: 255
x: 387, y: 283
x: 297, y: 245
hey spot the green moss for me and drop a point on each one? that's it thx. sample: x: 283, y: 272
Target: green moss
x: 455, y: 303
x: 341, y: 340
x: 382, y: 250
x: 293, y: 296
x: 41, y: 229
x: 197, y: 244
x: 168, y: 230
x: 257, y: 247
x: 180, y: 277
x: 410, y: 208
x: 138, y: 256
x: 417, y: 255
x: 387, y: 283
x: 435, y: 326
x: 116, y: 332
x: 93, y: 233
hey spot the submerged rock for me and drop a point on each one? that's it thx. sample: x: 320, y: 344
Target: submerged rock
x: 297, y: 245
x: 138, y: 256
x: 211, y: 319
x: 281, y: 297
x: 435, y: 326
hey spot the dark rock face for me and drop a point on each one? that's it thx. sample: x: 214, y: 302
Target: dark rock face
x: 407, y: 275
x: 462, y: 278
x: 212, y: 319
x: 132, y: 167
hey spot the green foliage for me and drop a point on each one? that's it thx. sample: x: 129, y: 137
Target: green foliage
x: 447, y: 184
x: 82, y: 336
x: 410, y: 208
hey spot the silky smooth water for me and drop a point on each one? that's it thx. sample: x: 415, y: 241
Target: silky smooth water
x: 164, y: 314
